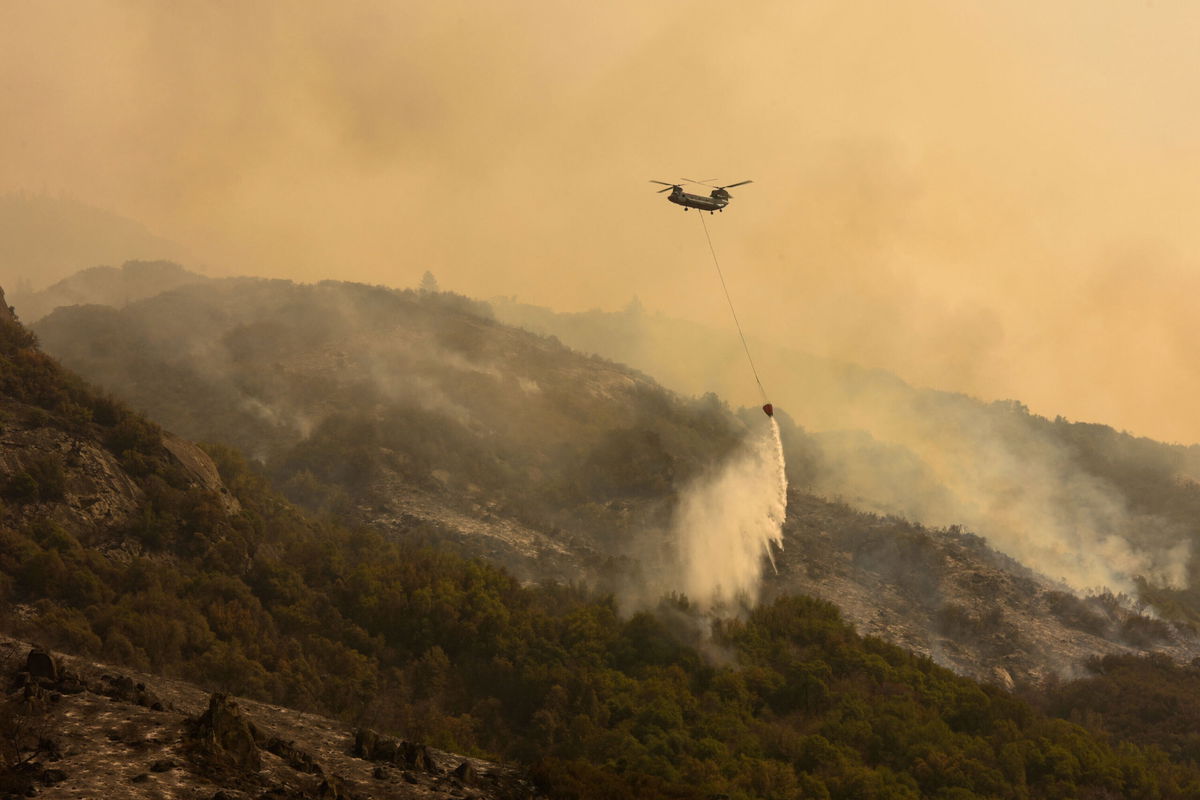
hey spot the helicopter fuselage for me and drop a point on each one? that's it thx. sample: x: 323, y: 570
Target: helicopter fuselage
x: 715, y: 202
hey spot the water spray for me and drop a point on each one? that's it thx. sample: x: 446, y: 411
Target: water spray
x: 727, y: 524
x: 730, y: 517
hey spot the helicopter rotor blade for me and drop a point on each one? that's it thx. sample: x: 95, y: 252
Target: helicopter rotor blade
x: 705, y: 182
x: 739, y: 183
x: 664, y: 183
x: 669, y: 188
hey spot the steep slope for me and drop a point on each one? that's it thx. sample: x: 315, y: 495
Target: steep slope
x: 408, y: 403
x: 785, y: 702
x: 81, y: 461
x: 398, y: 407
x: 1081, y: 502
x: 948, y: 595
x: 94, y: 730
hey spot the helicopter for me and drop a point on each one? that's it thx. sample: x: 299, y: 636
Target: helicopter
x: 714, y: 202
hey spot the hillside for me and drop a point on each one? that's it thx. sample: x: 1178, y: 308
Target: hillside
x: 405, y: 404
x: 110, y: 286
x: 1078, y: 501
x: 102, y: 730
x: 396, y: 408
x: 243, y: 594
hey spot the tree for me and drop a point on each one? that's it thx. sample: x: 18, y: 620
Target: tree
x: 428, y: 283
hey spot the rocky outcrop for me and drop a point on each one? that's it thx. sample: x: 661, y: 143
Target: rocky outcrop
x: 70, y: 479
x: 465, y: 772
x: 124, y: 688
x: 293, y: 756
x: 409, y: 755
x: 223, y: 738
x: 200, y: 470
x: 41, y: 666
x: 89, y: 732
x: 42, y: 676
x: 401, y: 762
x: 945, y: 594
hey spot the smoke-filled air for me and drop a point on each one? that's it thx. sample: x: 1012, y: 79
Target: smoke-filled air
x: 648, y: 399
x: 990, y: 198
x: 985, y: 199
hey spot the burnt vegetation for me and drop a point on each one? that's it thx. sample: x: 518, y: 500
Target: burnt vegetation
x: 343, y: 392
x: 402, y: 636
x: 268, y: 602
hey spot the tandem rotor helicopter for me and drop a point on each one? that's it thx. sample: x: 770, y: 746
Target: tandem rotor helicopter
x: 714, y: 202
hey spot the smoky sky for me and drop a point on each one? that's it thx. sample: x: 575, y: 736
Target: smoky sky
x: 994, y: 198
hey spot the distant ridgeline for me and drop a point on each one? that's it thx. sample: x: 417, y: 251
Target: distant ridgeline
x: 110, y: 286
x: 258, y: 598
x: 48, y: 237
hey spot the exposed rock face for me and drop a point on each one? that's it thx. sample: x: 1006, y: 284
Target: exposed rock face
x: 201, y: 469
x: 103, y: 740
x: 296, y: 758
x: 90, y: 491
x: 223, y: 735
x: 58, y: 465
x: 123, y: 688
x: 410, y: 755
x: 947, y: 595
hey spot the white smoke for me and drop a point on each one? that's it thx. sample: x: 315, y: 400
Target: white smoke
x: 727, y: 522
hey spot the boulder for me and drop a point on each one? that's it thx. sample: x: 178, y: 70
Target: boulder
x: 120, y: 687
x: 41, y: 666
x: 466, y: 773
x: 223, y: 734
x: 365, y: 741
x: 201, y: 471
x: 123, y: 688
x: 295, y: 758
x: 416, y: 756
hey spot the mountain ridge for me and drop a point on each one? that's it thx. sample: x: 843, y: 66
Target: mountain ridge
x: 785, y: 701
x: 398, y: 407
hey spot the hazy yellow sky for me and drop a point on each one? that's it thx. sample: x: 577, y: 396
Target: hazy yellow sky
x: 990, y: 197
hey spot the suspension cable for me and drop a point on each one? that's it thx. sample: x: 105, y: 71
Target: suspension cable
x: 729, y: 300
